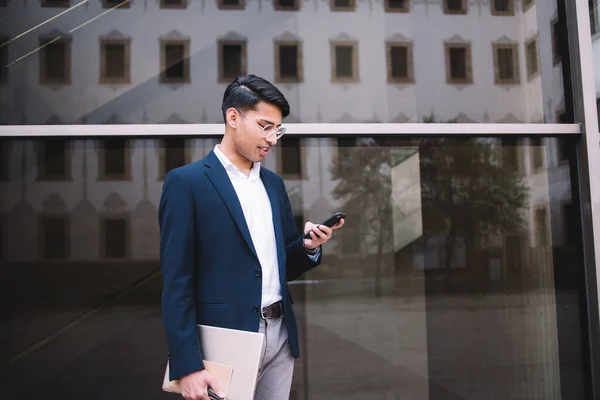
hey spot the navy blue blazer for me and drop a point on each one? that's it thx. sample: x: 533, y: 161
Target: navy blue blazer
x: 211, y: 273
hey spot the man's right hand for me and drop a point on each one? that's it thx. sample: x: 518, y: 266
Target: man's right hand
x: 195, y: 386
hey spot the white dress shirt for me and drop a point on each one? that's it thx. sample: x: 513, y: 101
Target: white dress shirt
x: 256, y: 206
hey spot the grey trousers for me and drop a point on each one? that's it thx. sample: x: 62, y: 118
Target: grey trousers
x: 277, y: 364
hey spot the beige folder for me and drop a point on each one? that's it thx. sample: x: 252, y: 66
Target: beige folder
x: 232, y: 357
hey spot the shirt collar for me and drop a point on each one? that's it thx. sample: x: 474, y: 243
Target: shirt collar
x: 228, y: 165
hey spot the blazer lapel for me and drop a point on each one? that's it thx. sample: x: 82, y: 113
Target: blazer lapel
x: 276, y: 217
x: 219, y: 178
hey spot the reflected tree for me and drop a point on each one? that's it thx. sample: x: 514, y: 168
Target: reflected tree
x: 467, y: 194
x: 363, y: 185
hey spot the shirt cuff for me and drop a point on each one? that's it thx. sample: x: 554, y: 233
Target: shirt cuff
x: 314, y: 256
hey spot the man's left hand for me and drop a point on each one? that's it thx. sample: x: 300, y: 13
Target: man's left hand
x: 319, y: 234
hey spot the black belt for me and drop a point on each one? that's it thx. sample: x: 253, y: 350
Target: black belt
x: 274, y: 310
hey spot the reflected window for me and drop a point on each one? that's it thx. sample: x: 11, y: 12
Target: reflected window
x: 515, y: 250
x: 458, y: 63
x: 54, y: 160
x: 563, y: 150
x: 115, y: 63
x: 533, y: 63
x: 232, y: 59
x: 527, y: 4
x: 55, y: 237
x: 55, y: 3
x: 503, y: 7
x: 174, y: 154
x: 232, y: 4
x: 3, y: 61
x: 4, y: 160
x: 568, y: 228
x: 288, y: 59
x: 290, y: 158
x: 511, y: 154
x: 455, y: 6
x: 542, y: 226
x: 175, y: 61
x: 115, y: 4
x: 55, y: 61
x: 556, y: 42
x: 286, y: 5
x: 401, y: 6
x: 342, y: 5
x: 506, y: 60
x: 114, y: 159
x: 115, y: 237
x: 345, y: 62
x: 400, y: 62
x: 344, y: 150
x: 537, y: 154
x: 173, y: 4
x: 594, y: 16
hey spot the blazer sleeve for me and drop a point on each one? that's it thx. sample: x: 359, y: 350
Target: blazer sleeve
x: 178, y: 260
x: 297, y: 260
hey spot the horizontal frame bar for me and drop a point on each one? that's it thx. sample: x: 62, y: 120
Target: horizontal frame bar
x: 292, y: 129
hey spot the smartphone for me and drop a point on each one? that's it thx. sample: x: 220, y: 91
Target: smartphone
x: 329, y: 222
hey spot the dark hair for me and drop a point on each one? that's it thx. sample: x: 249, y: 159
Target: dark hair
x: 246, y: 91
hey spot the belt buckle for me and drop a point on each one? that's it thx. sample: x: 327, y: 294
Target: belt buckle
x: 262, y: 313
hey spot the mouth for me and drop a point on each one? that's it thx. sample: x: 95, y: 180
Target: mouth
x: 264, y: 150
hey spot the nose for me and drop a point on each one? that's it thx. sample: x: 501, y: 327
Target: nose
x: 272, y: 139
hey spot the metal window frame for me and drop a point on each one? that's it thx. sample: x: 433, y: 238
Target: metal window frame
x: 301, y: 129
x: 587, y: 184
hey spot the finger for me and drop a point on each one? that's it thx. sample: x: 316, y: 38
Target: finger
x: 325, y: 229
x: 320, y: 231
x: 308, y: 227
x: 339, y: 224
x: 214, y: 385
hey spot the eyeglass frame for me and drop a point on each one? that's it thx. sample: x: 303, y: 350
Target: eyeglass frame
x: 279, y: 131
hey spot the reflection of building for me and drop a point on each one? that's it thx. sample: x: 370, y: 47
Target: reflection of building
x: 114, y: 186
x: 486, y: 61
x: 91, y: 199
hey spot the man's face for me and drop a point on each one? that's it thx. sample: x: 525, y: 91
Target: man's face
x: 249, y: 139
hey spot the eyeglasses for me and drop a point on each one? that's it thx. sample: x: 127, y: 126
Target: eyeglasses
x: 268, y: 129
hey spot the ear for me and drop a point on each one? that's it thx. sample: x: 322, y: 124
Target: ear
x: 232, y: 117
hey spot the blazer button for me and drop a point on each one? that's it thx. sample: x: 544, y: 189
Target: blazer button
x: 258, y: 273
x: 255, y: 308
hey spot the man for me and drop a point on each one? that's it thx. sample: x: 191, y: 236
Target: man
x: 229, y: 245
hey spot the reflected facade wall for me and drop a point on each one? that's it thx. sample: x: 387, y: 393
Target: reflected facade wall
x: 374, y: 61
x: 456, y: 276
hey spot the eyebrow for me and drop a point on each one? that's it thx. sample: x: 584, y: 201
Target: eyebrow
x: 268, y: 122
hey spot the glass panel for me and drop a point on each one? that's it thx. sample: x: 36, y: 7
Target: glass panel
x: 343, y: 61
x: 54, y: 236
x: 342, y: 3
x: 455, y: 277
x: 115, y: 60
x: 159, y: 85
x: 232, y: 60
x: 399, y: 61
x: 288, y: 61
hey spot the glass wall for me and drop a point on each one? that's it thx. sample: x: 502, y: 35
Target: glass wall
x: 168, y: 62
x: 458, y: 274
